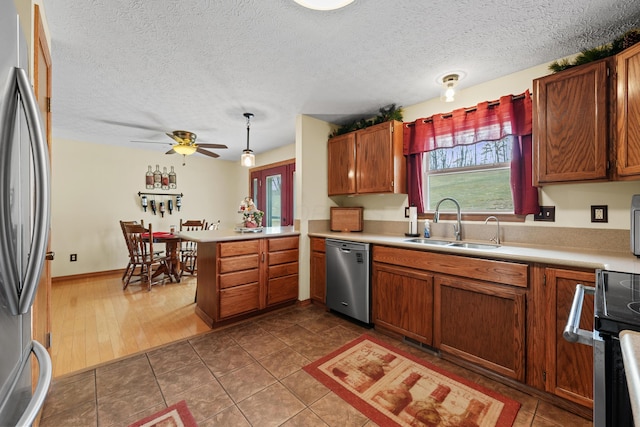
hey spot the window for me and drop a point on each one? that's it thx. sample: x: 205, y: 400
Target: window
x: 476, y: 175
x: 478, y: 155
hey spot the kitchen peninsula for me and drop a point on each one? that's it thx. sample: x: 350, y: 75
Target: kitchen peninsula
x: 244, y: 274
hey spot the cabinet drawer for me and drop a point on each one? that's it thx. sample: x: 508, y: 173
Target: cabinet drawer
x: 283, y: 257
x: 317, y: 245
x: 238, y: 278
x: 238, y: 263
x: 240, y: 299
x: 282, y: 289
x: 243, y: 247
x: 283, y: 243
x: 508, y: 273
x: 283, y: 270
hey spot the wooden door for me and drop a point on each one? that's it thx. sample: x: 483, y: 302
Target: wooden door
x: 570, y: 125
x: 374, y: 159
x: 318, y: 270
x: 569, y: 365
x: 628, y: 111
x: 41, y: 312
x: 403, y: 301
x: 341, y: 160
x: 482, y: 323
x: 272, y: 189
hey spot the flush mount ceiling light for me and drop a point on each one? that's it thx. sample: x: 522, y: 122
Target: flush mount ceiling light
x: 248, y: 159
x: 323, y: 4
x: 185, y: 150
x: 449, y: 82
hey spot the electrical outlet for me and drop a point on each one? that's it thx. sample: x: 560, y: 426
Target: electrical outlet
x: 406, y: 212
x: 547, y: 213
x: 73, y: 257
x: 599, y: 213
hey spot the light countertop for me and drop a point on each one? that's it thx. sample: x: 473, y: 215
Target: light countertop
x: 208, y: 236
x: 630, y: 344
x: 570, y: 257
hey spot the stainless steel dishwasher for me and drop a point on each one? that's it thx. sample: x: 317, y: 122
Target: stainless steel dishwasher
x: 348, y: 279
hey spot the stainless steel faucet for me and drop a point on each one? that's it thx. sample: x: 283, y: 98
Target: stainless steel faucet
x: 497, y: 236
x: 457, y: 230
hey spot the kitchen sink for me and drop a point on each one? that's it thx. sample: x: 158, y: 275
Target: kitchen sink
x: 467, y: 245
x: 474, y: 245
x: 430, y: 242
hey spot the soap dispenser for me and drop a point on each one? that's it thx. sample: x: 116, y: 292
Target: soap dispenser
x: 427, y: 229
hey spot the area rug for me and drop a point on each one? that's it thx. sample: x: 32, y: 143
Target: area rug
x: 177, y: 415
x: 395, y: 388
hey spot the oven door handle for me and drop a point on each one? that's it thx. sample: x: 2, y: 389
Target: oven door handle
x: 572, y: 331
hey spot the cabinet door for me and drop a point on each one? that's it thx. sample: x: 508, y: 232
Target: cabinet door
x: 282, y: 270
x: 570, y: 125
x: 341, y: 152
x: 628, y: 112
x: 569, y: 365
x: 374, y: 160
x: 482, y: 323
x: 403, y: 301
x: 318, y: 272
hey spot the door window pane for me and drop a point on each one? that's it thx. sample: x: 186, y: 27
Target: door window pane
x: 274, y: 200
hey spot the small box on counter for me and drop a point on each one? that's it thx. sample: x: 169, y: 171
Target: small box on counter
x: 346, y: 219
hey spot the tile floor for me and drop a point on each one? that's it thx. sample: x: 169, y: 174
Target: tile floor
x: 245, y: 375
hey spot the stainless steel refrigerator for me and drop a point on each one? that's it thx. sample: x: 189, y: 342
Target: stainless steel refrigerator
x: 24, y: 226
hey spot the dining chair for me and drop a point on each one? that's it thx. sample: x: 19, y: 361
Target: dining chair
x: 140, y: 242
x: 189, y: 250
x: 131, y: 265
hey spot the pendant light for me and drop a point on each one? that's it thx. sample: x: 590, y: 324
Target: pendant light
x: 248, y: 159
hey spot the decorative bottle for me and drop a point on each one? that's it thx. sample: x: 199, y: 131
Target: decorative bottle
x: 157, y: 177
x: 363, y: 376
x: 395, y: 399
x: 470, y: 417
x: 427, y: 411
x: 162, y: 209
x: 149, y: 178
x: 165, y: 179
x: 173, y: 183
x: 178, y: 202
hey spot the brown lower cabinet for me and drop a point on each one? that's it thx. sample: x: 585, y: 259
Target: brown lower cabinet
x: 569, y: 366
x: 482, y: 323
x: 318, y: 270
x: 240, y: 278
x: 502, y: 316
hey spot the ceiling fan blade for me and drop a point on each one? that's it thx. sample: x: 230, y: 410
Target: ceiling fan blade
x: 175, y: 138
x: 130, y: 125
x: 212, y: 145
x: 207, y: 153
x: 172, y: 151
x: 153, y: 142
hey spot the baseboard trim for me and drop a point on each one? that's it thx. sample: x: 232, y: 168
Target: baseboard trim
x: 82, y: 276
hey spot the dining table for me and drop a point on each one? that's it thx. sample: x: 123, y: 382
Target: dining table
x: 172, y: 244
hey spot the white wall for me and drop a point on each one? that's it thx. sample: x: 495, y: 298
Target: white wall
x: 94, y: 186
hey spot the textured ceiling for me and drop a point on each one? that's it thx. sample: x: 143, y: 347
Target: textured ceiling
x: 127, y: 70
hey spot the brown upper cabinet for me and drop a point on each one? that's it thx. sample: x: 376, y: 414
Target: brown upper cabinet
x: 586, y: 117
x: 367, y: 161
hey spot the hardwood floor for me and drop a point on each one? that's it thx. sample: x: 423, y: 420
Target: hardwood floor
x: 94, y: 321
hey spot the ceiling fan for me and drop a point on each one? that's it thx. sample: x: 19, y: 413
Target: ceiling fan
x: 185, y: 144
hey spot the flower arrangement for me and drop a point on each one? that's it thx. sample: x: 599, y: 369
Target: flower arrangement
x: 251, y: 216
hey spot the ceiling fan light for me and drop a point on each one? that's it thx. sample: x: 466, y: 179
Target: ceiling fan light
x: 248, y: 159
x: 185, y: 150
x: 323, y: 4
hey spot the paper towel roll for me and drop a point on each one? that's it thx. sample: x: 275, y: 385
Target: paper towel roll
x: 413, y: 220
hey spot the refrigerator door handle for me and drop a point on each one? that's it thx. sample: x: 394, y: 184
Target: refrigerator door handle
x: 44, y: 380
x: 9, y: 274
x: 41, y: 217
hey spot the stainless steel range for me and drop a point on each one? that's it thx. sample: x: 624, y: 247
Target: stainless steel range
x: 617, y: 308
